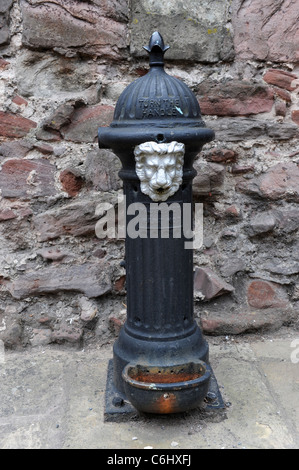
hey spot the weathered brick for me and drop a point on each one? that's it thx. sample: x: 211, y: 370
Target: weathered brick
x: 65, y: 332
x: 41, y: 336
x: 280, y: 181
x: 27, y: 178
x: 209, y: 178
x: 91, y: 28
x: 232, y: 130
x: 241, y: 169
x: 295, y: 116
x: 119, y: 284
x: 220, y: 155
x: 117, y: 320
x: 19, y: 101
x: 281, y: 78
x: 280, y: 108
x: 283, y: 94
x: 209, y: 284
x: 85, y: 122
x: 61, y: 116
x: 101, y: 170
x: 266, y: 30
x: 7, y: 214
x: 233, y: 211
x: 90, y: 279
x: 243, y: 321
x: 14, y: 125
x: 71, y: 182
x: 74, y: 121
x: 76, y: 218
x: 234, y: 98
x: 45, y: 149
x: 264, y: 294
x: 3, y: 64
x: 13, y: 209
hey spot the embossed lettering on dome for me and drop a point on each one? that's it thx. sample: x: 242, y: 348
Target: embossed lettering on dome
x: 160, y: 107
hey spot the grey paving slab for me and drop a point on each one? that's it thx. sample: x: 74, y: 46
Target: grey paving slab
x: 54, y: 399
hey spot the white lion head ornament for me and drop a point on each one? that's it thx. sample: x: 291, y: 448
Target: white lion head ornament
x: 159, y: 168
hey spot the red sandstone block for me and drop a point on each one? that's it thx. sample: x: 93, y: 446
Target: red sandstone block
x: 266, y: 30
x: 14, y: 125
x: 281, y: 79
x: 85, y: 122
x: 70, y: 182
x: 3, y: 63
x: 7, y: 214
x: 25, y: 178
x: 19, y: 100
x: 234, y: 98
x: 264, y: 294
x: 96, y: 28
x: 295, y: 116
x: 281, y: 180
x: 209, y: 284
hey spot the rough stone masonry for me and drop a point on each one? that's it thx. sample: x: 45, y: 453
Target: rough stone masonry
x: 63, y: 66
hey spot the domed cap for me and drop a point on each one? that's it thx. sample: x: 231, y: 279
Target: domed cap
x: 157, y: 95
x: 155, y: 107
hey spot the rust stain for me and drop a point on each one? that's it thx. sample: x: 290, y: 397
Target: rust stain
x: 167, y: 403
x: 160, y: 376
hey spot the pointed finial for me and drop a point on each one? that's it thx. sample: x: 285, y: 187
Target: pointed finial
x: 156, y: 49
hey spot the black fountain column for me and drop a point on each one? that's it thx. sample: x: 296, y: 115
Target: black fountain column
x: 160, y: 359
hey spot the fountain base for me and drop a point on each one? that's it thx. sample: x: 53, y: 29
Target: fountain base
x: 118, y: 408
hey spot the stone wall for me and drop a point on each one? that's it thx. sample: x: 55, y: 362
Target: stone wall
x: 63, y: 67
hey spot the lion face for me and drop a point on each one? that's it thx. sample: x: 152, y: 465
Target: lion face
x: 159, y: 168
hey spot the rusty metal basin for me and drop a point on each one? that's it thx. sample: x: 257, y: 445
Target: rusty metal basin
x: 170, y: 389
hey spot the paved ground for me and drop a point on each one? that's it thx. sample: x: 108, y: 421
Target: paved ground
x: 54, y: 399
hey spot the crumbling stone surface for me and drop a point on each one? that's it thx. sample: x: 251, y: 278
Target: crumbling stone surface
x: 238, y: 130
x: 267, y: 31
x: 280, y: 181
x: 77, y: 218
x: 63, y: 66
x: 71, y: 182
x: 4, y: 21
x: 88, y: 278
x: 209, y: 285
x: 13, y: 125
x: 281, y: 79
x: 89, y: 28
x: 27, y: 178
x: 234, y: 98
x: 194, y: 31
x: 263, y: 294
x: 209, y: 178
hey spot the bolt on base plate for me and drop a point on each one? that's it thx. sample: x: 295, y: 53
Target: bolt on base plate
x: 118, y: 408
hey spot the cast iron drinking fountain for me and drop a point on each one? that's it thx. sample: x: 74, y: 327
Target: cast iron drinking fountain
x: 160, y: 360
